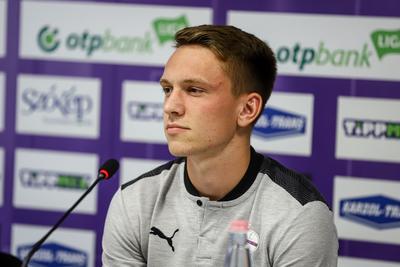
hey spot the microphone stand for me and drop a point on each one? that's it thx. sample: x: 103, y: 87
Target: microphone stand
x: 37, y: 245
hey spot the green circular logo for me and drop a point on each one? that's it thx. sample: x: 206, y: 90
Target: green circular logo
x: 47, y: 39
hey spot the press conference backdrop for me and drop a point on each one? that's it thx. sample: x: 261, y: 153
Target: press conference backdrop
x: 78, y: 84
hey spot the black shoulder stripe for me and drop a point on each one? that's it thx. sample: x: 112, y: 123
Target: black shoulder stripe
x: 153, y: 172
x: 297, y: 185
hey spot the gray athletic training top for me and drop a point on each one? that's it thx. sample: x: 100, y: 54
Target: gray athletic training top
x: 159, y: 220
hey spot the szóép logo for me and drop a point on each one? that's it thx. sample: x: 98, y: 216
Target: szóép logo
x: 70, y: 104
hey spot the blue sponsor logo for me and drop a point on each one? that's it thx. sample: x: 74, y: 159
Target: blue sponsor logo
x: 71, y: 106
x: 377, y: 211
x: 55, y: 255
x: 146, y: 111
x: 51, y: 179
x: 277, y: 123
x: 376, y: 129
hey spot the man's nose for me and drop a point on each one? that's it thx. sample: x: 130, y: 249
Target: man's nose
x: 174, y: 104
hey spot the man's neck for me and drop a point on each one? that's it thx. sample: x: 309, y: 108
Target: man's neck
x: 216, y: 175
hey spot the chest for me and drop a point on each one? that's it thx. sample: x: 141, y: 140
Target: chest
x: 195, y: 233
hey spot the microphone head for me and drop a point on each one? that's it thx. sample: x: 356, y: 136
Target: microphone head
x: 108, y: 169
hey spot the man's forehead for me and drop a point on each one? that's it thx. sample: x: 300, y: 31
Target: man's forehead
x: 194, y: 65
x: 195, y: 53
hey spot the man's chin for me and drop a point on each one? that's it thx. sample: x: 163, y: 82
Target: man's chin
x: 178, y: 150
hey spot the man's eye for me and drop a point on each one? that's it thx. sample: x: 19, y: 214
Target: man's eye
x: 167, y: 90
x: 194, y: 90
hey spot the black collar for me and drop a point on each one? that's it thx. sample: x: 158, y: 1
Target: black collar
x: 244, y: 184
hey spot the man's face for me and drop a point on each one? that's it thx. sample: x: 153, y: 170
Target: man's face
x: 200, y: 111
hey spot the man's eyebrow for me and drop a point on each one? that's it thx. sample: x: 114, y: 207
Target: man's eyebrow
x: 188, y: 81
x: 195, y: 81
x: 164, y: 81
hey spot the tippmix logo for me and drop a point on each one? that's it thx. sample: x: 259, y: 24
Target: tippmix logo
x: 146, y: 111
x: 61, y: 176
x: 49, y: 38
x: 377, y: 211
x: 368, y: 129
x: 55, y: 254
x: 385, y: 42
x: 37, y: 178
x: 375, y: 129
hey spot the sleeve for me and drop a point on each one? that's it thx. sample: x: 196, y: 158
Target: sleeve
x: 121, y: 246
x: 310, y: 239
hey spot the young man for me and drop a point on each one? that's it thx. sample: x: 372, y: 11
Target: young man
x: 216, y: 84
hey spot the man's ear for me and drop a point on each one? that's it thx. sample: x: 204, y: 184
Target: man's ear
x: 252, y: 106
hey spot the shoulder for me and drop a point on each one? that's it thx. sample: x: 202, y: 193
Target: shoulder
x: 298, y: 186
x: 137, y: 198
x: 156, y: 174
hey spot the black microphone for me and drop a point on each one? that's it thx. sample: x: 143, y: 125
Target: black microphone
x: 108, y: 169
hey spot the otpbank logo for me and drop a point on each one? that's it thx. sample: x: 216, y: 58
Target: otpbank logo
x: 49, y: 39
x: 165, y: 29
x: 274, y: 122
x: 378, y: 211
x: 328, y: 45
x: 136, y: 34
x: 384, y: 43
x: 54, y: 254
